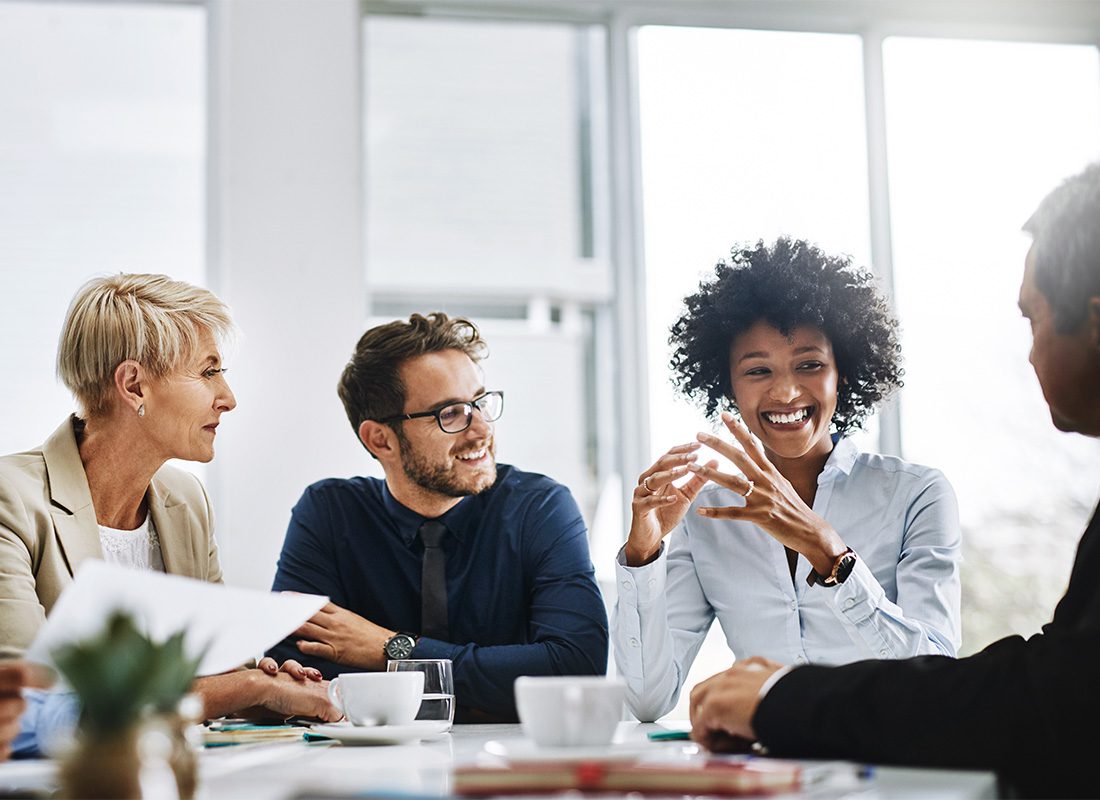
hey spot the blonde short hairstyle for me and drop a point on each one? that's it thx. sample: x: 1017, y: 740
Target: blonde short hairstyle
x: 150, y: 319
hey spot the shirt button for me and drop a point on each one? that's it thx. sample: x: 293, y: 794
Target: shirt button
x: 633, y: 642
x: 794, y: 605
x: 884, y: 653
x: 626, y: 584
x: 801, y: 659
x: 652, y: 583
x: 849, y: 603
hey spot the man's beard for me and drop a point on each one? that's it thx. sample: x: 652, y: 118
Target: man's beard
x: 436, y: 477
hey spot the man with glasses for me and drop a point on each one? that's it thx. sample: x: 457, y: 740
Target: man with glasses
x: 451, y: 555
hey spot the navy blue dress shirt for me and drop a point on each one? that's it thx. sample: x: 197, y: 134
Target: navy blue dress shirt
x: 521, y: 591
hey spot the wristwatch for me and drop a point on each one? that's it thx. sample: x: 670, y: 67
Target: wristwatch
x: 399, y: 646
x: 842, y: 568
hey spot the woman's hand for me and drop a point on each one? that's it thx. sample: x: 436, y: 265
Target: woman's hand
x: 256, y: 693
x: 283, y: 695
x: 771, y: 502
x: 659, y: 504
x: 290, y: 667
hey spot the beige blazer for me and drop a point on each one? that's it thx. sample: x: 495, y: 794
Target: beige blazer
x: 48, y: 529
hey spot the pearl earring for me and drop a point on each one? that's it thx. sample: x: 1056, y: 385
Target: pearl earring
x: 141, y: 410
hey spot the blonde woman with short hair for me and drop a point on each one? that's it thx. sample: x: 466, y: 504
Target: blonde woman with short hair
x: 142, y: 356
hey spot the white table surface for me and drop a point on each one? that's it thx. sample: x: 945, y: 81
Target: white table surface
x: 287, y: 770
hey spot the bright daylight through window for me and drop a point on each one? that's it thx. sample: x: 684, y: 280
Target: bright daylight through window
x: 977, y: 131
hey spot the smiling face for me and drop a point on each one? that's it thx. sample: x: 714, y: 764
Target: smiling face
x: 785, y: 388
x: 183, y: 409
x: 1067, y: 365
x: 445, y: 464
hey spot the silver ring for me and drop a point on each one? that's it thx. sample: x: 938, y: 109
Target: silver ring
x: 751, y: 487
x: 645, y: 483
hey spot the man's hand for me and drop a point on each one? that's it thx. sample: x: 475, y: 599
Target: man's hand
x: 343, y: 637
x: 722, y: 706
x: 14, y: 677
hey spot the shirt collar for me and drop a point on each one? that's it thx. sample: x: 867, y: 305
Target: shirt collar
x: 843, y: 457
x: 408, y: 521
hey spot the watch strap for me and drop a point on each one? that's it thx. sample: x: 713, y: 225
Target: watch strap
x: 842, y: 568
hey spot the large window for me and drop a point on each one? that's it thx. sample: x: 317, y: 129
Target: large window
x: 978, y: 132
x: 745, y: 135
x: 102, y: 110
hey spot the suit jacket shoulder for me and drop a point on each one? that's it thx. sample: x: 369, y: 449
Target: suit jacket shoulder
x: 48, y: 528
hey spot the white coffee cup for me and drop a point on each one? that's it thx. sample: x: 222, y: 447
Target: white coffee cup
x: 377, y: 698
x: 569, y: 710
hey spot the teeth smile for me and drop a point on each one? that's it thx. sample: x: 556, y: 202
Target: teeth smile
x: 474, y: 456
x: 786, y: 419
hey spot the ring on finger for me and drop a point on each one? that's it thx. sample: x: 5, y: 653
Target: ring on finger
x: 750, y: 490
x: 648, y: 488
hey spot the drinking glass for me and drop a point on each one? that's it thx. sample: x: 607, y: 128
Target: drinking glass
x: 439, y: 686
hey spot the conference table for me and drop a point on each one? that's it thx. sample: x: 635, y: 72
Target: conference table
x: 285, y: 770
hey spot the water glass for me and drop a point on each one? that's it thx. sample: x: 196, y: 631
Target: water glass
x: 439, y: 686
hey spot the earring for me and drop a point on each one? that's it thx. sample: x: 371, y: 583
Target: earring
x: 141, y: 410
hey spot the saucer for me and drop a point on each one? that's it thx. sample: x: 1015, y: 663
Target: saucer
x: 521, y: 751
x: 382, y: 734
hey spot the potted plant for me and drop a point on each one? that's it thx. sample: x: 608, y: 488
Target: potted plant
x: 123, y: 680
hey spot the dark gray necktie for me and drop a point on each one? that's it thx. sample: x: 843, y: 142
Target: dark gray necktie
x: 433, y: 583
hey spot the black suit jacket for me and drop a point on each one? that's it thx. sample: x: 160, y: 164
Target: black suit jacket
x: 1029, y: 709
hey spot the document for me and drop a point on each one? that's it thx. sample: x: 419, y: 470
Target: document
x: 231, y: 625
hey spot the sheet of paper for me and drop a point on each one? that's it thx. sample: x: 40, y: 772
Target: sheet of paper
x: 234, y: 624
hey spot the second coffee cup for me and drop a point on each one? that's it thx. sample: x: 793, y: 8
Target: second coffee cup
x: 569, y: 711
x: 377, y: 698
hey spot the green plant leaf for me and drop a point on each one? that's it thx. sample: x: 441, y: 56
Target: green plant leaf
x: 120, y: 674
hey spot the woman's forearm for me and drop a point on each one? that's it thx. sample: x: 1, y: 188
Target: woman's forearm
x: 224, y: 694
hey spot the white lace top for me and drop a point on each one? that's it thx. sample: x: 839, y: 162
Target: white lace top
x: 138, y: 549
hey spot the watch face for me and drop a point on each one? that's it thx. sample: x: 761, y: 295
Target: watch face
x: 400, y: 646
x: 847, y: 564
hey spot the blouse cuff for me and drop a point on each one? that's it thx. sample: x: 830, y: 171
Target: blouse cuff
x: 640, y: 586
x: 860, y: 595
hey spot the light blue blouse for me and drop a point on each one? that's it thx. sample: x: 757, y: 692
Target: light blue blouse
x: 48, y: 722
x: 902, y: 599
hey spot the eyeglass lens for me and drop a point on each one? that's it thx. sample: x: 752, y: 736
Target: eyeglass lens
x: 456, y: 418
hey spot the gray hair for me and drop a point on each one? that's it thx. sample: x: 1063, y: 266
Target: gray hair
x: 1065, y: 231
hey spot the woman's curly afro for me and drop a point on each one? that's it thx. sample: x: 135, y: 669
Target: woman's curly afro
x: 788, y: 284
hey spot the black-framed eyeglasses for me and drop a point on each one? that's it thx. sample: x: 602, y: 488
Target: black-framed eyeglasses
x: 456, y: 417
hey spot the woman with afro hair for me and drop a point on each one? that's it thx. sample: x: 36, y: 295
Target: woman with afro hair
x: 815, y: 552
